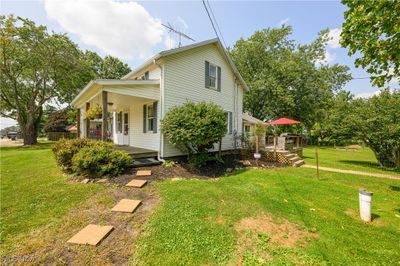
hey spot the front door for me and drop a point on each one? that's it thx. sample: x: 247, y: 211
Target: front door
x: 126, y: 128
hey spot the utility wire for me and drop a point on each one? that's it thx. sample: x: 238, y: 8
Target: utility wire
x: 216, y: 23
x: 211, y: 20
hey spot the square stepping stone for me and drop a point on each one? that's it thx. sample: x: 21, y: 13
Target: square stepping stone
x: 143, y: 173
x: 126, y: 205
x: 91, y: 235
x: 136, y: 183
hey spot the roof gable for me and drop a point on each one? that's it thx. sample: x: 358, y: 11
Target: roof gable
x: 165, y: 53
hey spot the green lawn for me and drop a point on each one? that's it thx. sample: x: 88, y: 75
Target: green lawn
x: 34, y: 192
x: 197, y: 220
x: 359, y: 160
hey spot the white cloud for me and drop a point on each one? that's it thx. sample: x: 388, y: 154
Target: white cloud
x: 170, y: 43
x: 366, y: 95
x: 122, y: 29
x: 328, y: 58
x: 334, y: 35
x: 284, y: 21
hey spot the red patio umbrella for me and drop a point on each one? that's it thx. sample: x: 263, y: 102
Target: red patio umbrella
x: 284, y: 121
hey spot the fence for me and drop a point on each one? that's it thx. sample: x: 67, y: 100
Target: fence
x: 54, y: 136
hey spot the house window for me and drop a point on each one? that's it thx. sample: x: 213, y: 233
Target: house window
x: 145, y: 76
x: 247, y: 129
x: 126, y: 124
x: 119, y: 122
x: 150, y: 117
x: 229, y: 122
x: 213, y: 76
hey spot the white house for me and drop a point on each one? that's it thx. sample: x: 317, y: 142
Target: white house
x: 137, y: 103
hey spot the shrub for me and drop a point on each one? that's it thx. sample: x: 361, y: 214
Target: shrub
x: 100, y: 159
x: 65, y: 149
x: 168, y: 163
x: 194, y: 128
x: 201, y: 159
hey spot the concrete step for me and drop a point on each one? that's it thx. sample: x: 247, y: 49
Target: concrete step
x: 290, y: 155
x: 139, y: 162
x: 295, y: 159
x: 298, y: 163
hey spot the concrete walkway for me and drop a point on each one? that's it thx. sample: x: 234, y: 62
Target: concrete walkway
x: 352, y: 172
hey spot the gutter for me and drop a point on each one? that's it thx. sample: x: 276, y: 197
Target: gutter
x: 161, y: 106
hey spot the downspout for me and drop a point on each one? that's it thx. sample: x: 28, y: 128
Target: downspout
x: 161, y: 107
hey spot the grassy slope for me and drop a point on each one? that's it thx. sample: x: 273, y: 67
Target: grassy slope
x: 185, y: 229
x: 358, y: 160
x: 34, y: 192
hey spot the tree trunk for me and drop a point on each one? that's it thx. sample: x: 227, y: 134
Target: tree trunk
x: 29, y: 129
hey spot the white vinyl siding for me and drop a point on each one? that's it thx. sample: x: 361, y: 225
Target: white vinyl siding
x: 184, y: 77
x: 137, y: 137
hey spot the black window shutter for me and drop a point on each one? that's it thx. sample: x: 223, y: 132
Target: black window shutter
x: 144, y: 118
x: 155, y: 117
x: 207, y: 74
x: 219, y: 79
x: 230, y: 122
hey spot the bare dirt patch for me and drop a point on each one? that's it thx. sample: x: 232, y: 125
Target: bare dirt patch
x: 285, y: 233
x: 48, y: 245
x: 261, y: 237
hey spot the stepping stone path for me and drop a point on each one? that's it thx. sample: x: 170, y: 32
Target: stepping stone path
x: 126, y: 205
x: 143, y: 173
x: 93, y: 234
x: 136, y: 183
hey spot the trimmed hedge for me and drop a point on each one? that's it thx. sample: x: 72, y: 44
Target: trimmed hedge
x: 100, y: 159
x: 65, y: 149
x: 89, y: 157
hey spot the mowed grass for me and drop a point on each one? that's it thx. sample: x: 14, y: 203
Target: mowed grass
x: 362, y: 159
x: 197, y: 221
x: 34, y: 192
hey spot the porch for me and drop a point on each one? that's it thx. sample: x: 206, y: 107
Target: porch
x: 136, y: 152
x: 121, y: 116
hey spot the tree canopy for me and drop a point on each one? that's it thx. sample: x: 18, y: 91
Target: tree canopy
x: 38, y: 67
x: 372, y: 28
x: 285, y: 78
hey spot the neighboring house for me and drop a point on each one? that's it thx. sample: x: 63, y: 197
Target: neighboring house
x: 137, y: 103
x: 249, y: 126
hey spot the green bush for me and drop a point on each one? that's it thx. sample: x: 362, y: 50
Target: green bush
x: 100, y: 159
x: 201, y: 159
x: 65, y: 149
x: 194, y: 128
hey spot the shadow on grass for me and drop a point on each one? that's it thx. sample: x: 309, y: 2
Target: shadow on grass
x: 368, y: 164
x: 395, y: 188
x: 374, y: 216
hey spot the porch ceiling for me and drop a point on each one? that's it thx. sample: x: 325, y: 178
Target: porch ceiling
x: 144, y: 89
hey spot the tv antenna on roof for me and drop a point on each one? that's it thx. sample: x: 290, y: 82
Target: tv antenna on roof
x: 179, y: 33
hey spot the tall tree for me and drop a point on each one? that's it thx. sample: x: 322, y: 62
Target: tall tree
x: 372, y: 28
x: 285, y: 78
x: 38, y: 67
x: 376, y: 121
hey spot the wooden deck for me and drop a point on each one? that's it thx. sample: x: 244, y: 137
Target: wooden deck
x: 136, y: 152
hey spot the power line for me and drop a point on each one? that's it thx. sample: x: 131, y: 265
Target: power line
x: 209, y: 16
x: 216, y: 23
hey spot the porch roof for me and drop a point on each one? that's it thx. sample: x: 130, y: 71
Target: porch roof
x: 141, y: 88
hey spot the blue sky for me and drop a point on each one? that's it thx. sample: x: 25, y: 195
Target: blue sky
x: 93, y: 24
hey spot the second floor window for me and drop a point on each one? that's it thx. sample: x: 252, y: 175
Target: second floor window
x: 212, y: 76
